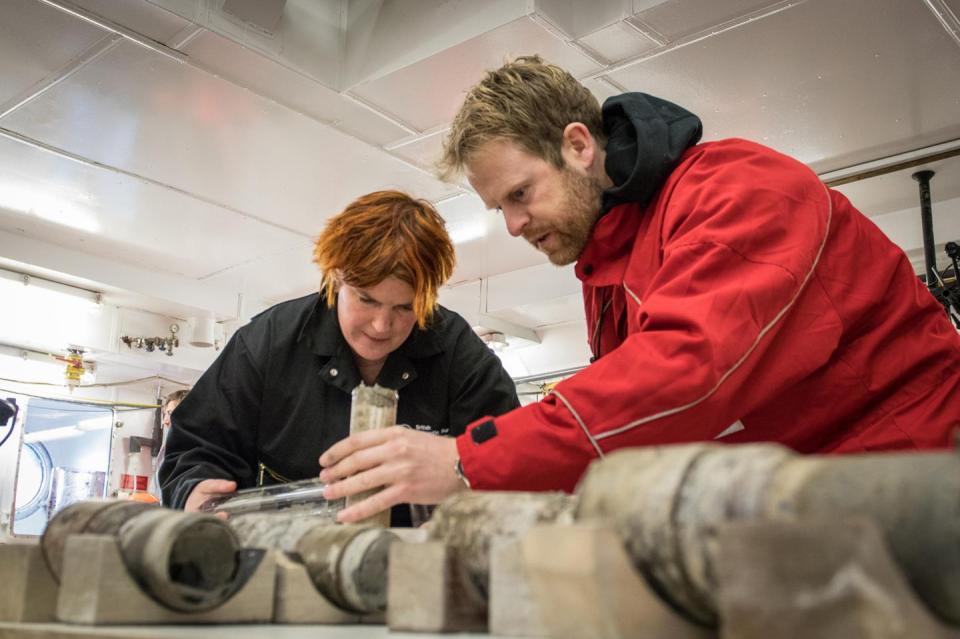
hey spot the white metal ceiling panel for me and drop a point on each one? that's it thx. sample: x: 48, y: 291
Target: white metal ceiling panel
x: 678, y: 18
x: 175, y: 124
x: 138, y: 15
x: 383, y: 36
x: 427, y: 94
x: 601, y: 88
x: 306, y: 39
x: 464, y: 298
x: 247, y: 68
x: 577, y: 19
x: 559, y: 310
x: 533, y: 285
x: 423, y: 151
x: 122, y: 218
x: 618, y: 42
x: 274, y: 278
x: 483, y: 245
x: 35, y: 42
x: 819, y: 82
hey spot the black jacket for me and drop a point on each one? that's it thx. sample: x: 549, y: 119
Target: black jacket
x: 279, y: 395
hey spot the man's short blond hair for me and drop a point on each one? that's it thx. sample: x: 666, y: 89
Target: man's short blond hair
x: 526, y: 101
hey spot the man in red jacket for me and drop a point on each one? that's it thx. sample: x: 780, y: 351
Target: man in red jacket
x: 729, y: 294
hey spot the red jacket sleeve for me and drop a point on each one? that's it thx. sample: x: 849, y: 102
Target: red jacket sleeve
x: 741, y: 230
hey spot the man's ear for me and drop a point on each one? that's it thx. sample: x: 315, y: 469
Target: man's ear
x: 578, y: 147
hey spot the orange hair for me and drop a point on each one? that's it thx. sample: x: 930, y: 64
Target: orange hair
x: 382, y: 234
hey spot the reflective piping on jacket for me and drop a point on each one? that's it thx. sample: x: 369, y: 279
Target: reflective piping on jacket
x: 739, y: 362
x: 631, y: 294
x: 586, y: 432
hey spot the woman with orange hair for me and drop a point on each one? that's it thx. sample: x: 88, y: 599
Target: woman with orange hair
x: 278, y: 395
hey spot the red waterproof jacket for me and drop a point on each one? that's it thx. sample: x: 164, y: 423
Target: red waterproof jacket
x: 746, y: 303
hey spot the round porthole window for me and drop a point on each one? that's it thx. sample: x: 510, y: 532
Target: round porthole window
x: 33, y: 479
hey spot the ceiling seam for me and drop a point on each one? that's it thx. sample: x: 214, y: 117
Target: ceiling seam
x: 616, y: 85
x: 342, y: 43
x: 386, y: 115
x: 184, y: 36
x: 646, y: 30
x: 108, y: 25
x: 63, y: 153
x: 247, y: 262
x: 440, y: 129
x: 91, y: 53
x: 544, y: 22
x: 947, y: 18
x: 709, y: 32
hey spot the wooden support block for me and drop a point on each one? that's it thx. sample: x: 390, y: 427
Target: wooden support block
x: 28, y: 592
x: 815, y: 578
x: 297, y: 600
x: 514, y: 611
x: 587, y: 588
x: 96, y: 588
x: 425, y: 592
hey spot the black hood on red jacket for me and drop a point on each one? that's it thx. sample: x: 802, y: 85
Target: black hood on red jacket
x: 645, y: 138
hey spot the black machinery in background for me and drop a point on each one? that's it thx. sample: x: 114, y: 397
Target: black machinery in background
x: 946, y: 293
x: 8, y: 418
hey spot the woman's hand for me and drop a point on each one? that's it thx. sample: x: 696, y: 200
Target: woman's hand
x: 207, y: 490
x: 412, y: 467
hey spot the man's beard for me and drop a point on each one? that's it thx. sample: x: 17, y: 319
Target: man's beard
x: 581, y: 206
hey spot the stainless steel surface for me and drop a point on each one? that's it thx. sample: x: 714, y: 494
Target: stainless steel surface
x: 69, y: 486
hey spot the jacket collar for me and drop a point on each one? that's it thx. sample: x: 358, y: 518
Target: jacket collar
x: 604, y: 258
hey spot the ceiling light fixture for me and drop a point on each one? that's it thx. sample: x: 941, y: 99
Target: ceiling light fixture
x: 203, y: 332
x: 495, y: 340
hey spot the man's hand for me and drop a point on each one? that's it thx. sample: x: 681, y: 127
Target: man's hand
x: 411, y: 466
x: 206, y: 490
